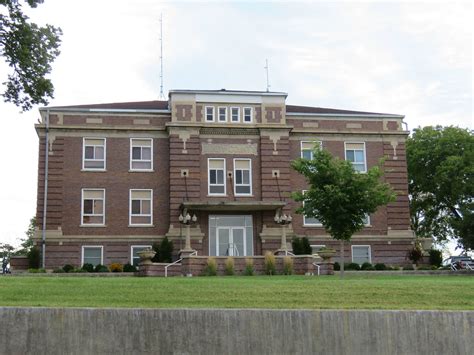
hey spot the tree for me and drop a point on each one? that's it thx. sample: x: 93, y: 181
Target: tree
x: 338, y: 196
x: 27, y: 243
x: 29, y: 50
x: 441, y: 184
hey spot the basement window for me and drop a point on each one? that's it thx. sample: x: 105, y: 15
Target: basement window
x: 92, y: 255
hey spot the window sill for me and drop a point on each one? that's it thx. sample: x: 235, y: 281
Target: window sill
x: 209, y: 195
x: 141, y: 171
x: 93, y: 225
x: 313, y: 226
x: 94, y: 170
x: 241, y: 195
x: 141, y: 225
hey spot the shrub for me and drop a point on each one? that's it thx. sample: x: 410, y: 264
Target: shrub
x: 88, y: 267
x: 78, y: 270
x: 270, y: 263
x: 36, y: 271
x: 366, y: 266
x: 68, y: 268
x: 248, y: 267
x: 396, y: 267
x: 164, y: 251
x: 129, y: 268
x: 34, y: 257
x: 380, y: 267
x: 408, y: 267
x: 436, y: 257
x: 301, y: 246
x: 211, y: 267
x: 337, y: 266
x: 352, y: 266
x: 58, y: 271
x: 415, y: 254
x: 296, y: 245
x: 424, y: 267
x: 229, y: 266
x: 101, y: 268
x: 287, y: 265
x: 116, y: 267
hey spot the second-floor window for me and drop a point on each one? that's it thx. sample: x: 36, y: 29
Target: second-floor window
x: 216, y: 176
x: 248, y: 114
x: 222, y: 114
x: 243, y: 177
x: 235, y: 114
x: 209, y: 114
x: 93, y: 210
x: 307, y: 149
x: 355, y: 153
x: 141, y: 207
x: 93, y: 155
x: 141, y: 153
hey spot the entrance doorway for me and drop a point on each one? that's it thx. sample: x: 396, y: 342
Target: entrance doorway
x: 230, y: 235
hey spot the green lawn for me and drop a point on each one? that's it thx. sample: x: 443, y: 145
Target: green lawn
x: 326, y: 292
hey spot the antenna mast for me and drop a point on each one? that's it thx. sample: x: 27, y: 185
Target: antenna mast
x: 162, y: 95
x: 266, y: 70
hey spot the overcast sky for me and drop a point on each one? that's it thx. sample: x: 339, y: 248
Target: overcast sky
x: 395, y: 57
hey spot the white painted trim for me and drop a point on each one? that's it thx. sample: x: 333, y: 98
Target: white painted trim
x: 304, y: 219
x: 130, y: 224
x: 251, y: 115
x: 213, y: 114
x: 89, y: 145
x: 360, y: 245
x: 82, y: 208
x: 136, y: 246
x: 250, y: 178
x: 93, y: 246
x: 141, y: 160
x: 365, y: 153
x: 219, y: 114
x: 209, y: 178
x: 238, y: 114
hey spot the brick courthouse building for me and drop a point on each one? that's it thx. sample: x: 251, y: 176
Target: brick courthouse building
x: 120, y: 175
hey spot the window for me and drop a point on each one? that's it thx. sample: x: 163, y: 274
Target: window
x: 216, y: 169
x: 141, y: 153
x: 222, y: 114
x: 92, y: 255
x: 235, y: 114
x: 248, y: 114
x: 209, y: 114
x: 307, y: 149
x: 141, y: 207
x: 361, y: 254
x: 367, y: 220
x: 93, y: 154
x: 310, y: 221
x: 135, y: 259
x: 93, y: 201
x: 355, y: 153
x: 243, y: 177
x: 316, y: 248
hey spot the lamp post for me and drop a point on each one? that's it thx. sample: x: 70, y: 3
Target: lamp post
x: 283, y: 220
x: 186, y: 219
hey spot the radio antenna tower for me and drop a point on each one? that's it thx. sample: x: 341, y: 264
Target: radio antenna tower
x: 266, y: 70
x: 162, y: 95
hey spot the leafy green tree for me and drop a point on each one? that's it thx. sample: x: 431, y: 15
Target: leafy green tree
x: 29, y: 50
x: 27, y: 243
x: 338, y: 196
x: 441, y: 183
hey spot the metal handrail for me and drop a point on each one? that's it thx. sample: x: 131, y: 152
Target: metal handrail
x: 177, y: 261
x: 319, y: 268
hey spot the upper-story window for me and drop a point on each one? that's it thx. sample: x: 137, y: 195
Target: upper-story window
x: 355, y: 153
x: 222, y: 114
x: 243, y: 177
x: 141, y: 153
x: 248, y: 113
x: 93, y: 155
x: 141, y: 207
x: 307, y: 149
x: 216, y: 176
x: 93, y: 211
x: 209, y: 114
x: 235, y: 114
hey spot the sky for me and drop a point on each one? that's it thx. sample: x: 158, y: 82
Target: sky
x: 405, y: 57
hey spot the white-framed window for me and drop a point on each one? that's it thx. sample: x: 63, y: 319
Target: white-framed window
x: 316, y: 247
x: 216, y: 176
x: 92, y: 254
x: 361, y: 254
x: 367, y: 220
x: 242, y: 177
x: 235, y: 114
x: 141, y: 154
x: 222, y: 114
x: 134, y: 250
x: 141, y: 207
x: 93, y: 207
x: 355, y: 153
x: 93, y: 154
x: 307, y: 149
x: 248, y: 114
x: 209, y: 110
x: 310, y: 221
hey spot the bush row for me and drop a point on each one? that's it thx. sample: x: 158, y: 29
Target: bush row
x: 115, y: 267
x: 379, y: 267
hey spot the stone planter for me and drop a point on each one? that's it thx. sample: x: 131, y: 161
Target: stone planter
x: 146, y: 256
x: 326, y: 253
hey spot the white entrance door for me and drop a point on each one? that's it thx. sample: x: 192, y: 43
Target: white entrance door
x: 231, y: 241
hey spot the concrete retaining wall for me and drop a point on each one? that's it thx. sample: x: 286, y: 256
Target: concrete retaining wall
x: 186, y: 331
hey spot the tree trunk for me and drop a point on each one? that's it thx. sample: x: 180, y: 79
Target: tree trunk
x: 342, y: 258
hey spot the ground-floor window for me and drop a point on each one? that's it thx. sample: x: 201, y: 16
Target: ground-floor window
x: 92, y: 255
x: 361, y: 254
x: 135, y: 259
x: 230, y: 235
